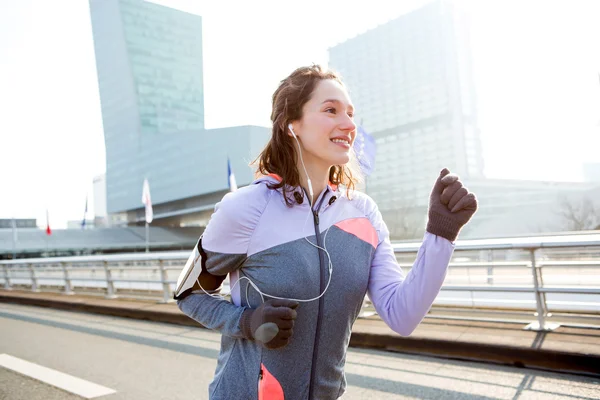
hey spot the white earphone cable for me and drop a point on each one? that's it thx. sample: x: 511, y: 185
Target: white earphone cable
x: 324, y: 248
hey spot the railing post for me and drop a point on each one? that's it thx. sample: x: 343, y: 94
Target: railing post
x: 490, y: 268
x: 542, y: 294
x: 34, y: 284
x: 68, y: 287
x: 165, y: 282
x: 6, y: 278
x: 110, y: 288
x: 540, y: 300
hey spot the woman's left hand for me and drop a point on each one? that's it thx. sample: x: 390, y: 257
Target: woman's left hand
x: 451, y: 206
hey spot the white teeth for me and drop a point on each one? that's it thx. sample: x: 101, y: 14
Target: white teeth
x: 339, y: 141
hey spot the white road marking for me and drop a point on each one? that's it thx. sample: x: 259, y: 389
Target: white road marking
x: 55, y: 378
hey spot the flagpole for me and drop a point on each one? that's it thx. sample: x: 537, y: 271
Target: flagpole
x: 83, y: 221
x: 147, y: 202
x: 47, y: 230
x: 14, y: 238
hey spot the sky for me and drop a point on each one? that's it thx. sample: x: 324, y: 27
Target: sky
x: 536, y: 66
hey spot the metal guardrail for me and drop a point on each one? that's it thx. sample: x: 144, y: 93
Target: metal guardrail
x: 157, y: 273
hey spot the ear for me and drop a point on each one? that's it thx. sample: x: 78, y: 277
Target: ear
x: 290, y: 130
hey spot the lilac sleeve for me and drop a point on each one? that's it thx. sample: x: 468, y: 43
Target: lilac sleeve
x: 225, y: 242
x: 403, y: 301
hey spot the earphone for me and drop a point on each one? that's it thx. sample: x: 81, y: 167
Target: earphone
x: 310, y: 189
x: 324, y: 248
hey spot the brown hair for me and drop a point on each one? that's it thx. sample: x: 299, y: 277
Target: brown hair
x: 280, y: 154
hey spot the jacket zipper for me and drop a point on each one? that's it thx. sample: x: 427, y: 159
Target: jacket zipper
x: 322, y: 281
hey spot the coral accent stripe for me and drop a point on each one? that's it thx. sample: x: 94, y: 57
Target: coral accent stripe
x: 276, y: 177
x: 361, y: 228
x: 269, y: 388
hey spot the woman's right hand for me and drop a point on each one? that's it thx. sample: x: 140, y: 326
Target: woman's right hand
x: 271, y: 324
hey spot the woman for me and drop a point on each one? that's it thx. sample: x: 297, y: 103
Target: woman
x: 303, y: 248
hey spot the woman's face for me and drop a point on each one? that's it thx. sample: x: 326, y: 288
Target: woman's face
x: 326, y: 130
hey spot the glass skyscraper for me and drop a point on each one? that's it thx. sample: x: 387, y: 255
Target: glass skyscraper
x: 412, y: 84
x: 150, y: 77
x: 165, y: 54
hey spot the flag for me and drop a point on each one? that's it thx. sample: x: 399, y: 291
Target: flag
x: 84, y: 214
x: 48, y: 230
x: 147, y: 201
x: 230, y: 177
x: 365, y: 149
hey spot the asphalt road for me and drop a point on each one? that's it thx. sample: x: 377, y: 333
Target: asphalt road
x: 148, y: 360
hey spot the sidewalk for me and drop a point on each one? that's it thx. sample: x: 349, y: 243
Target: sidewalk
x: 573, y: 350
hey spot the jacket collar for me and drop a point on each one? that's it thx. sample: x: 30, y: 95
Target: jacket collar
x: 323, y: 198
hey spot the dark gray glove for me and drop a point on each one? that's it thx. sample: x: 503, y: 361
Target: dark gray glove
x: 451, y: 206
x: 270, y: 324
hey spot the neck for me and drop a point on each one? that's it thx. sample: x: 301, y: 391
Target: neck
x: 319, y: 176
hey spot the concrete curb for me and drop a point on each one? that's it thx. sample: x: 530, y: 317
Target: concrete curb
x: 124, y: 312
x: 577, y: 363
x: 496, y: 354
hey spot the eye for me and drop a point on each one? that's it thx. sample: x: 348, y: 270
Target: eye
x: 351, y: 114
x: 330, y: 110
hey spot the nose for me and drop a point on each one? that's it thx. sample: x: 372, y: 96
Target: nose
x: 347, y: 124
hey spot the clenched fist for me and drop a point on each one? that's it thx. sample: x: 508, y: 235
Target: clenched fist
x: 270, y: 324
x: 451, y: 206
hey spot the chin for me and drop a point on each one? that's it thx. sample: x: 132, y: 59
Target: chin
x: 340, y: 160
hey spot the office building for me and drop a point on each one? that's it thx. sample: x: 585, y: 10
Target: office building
x: 150, y: 78
x: 411, y: 82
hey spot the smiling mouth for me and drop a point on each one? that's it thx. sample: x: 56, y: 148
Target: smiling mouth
x: 343, y: 141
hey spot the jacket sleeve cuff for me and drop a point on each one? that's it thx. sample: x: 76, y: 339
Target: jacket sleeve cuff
x: 245, y: 324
